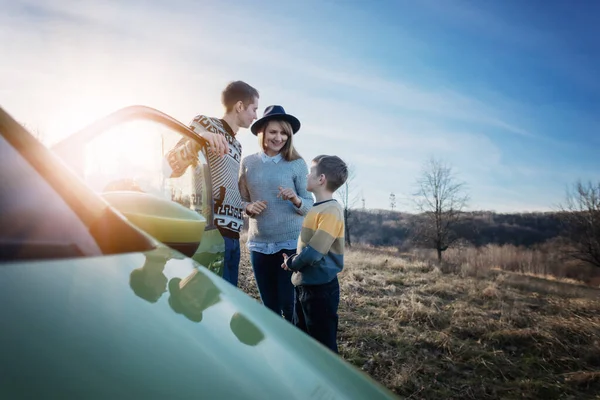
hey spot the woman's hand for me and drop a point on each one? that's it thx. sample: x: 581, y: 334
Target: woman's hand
x: 255, y: 208
x: 289, y: 194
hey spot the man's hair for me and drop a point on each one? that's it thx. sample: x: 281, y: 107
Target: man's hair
x: 288, y: 151
x: 238, y: 91
x: 334, y: 169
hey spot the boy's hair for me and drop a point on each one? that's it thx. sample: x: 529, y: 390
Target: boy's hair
x: 334, y: 169
x: 238, y: 91
x: 288, y: 151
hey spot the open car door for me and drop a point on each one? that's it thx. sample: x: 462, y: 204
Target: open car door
x: 123, y: 158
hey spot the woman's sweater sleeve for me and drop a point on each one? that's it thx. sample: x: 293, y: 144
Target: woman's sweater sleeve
x: 300, y: 173
x: 243, y: 186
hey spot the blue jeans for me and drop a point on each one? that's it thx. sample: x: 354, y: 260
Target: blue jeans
x: 231, y: 263
x: 315, y: 311
x: 274, y: 283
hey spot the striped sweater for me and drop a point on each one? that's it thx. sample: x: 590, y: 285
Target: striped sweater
x: 227, y: 202
x: 320, y: 252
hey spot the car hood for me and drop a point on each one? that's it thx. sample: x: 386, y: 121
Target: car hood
x: 150, y: 325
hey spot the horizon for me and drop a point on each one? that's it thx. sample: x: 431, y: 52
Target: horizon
x: 482, y: 211
x: 506, y: 93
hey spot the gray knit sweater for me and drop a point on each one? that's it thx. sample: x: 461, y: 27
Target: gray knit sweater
x: 258, y: 180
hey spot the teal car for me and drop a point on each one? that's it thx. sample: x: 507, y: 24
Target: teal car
x: 106, y: 290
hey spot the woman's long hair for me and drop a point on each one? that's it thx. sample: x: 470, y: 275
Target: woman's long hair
x: 288, y: 152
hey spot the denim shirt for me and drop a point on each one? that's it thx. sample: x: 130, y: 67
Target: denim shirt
x: 272, y: 248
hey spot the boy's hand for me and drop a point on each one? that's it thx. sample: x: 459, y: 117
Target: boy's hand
x: 284, y: 266
x: 289, y: 194
x: 217, y: 143
x: 256, y: 207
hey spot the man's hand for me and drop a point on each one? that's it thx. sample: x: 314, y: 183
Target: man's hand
x: 217, y: 144
x: 284, y: 266
x: 289, y: 194
x: 256, y: 207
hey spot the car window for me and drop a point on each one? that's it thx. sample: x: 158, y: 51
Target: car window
x: 36, y: 222
x: 132, y: 155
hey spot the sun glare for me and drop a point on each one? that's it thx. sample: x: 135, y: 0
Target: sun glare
x: 87, y: 95
x: 129, y: 156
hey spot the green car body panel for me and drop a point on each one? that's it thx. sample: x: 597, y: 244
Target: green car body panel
x: 77, y: 329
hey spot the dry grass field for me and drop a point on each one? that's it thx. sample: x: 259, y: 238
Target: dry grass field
x: 471, y: 334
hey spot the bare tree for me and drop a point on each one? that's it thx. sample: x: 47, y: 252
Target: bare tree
x: 348, y: 197
x: 581, y: 218
x: 441, y: 199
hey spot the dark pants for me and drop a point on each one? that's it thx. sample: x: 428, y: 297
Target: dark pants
x: 315, y: 311
x: 274, y: 283
x: 231, y: 263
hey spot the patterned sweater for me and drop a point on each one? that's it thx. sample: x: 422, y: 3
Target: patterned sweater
x: 281, y: 221
x: 320, y: 253
x: 227, y: 202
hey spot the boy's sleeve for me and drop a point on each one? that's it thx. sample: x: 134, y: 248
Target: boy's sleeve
x: 329, y: 228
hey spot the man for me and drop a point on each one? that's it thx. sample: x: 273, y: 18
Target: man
x: 240, y: 101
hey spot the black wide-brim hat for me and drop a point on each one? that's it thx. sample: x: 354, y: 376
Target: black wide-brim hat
x: 276, y: 113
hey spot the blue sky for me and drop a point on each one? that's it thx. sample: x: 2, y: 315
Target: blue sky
x: 506, y: 92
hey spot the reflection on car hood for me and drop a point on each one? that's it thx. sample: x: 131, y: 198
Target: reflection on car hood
x: 155, y: 324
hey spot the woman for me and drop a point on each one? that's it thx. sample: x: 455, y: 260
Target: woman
x: 272, y: 183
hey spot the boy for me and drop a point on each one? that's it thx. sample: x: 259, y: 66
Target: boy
x: 240, y: 101
x: 320, y: 254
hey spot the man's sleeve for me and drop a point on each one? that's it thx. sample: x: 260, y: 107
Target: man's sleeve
x: 184, y: 154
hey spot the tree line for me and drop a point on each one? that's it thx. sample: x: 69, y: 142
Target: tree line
x: 441, y: 222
